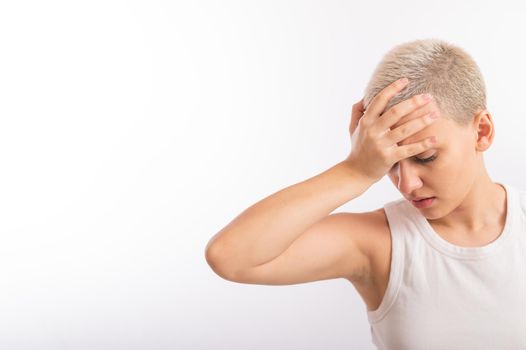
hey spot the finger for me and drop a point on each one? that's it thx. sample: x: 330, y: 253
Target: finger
x: 412, y: 149
x: 357, y: 113
x: 395, y: 113
x: 379, y: 102
x: 409, y: 128
x: 360, y: 105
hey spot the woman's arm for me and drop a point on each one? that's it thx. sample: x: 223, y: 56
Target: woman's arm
x: 265, y: 230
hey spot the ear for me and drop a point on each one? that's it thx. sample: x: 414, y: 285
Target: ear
x: 483, y: 129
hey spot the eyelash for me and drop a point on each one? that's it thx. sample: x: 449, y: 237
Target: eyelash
x: 426, y: 160
x: 421, y: 161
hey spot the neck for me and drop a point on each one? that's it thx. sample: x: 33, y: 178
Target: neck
x: 484, y: 206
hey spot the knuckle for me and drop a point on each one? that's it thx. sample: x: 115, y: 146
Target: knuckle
x: 426, y: 120
x: 431, y: 117
x: 409, y: 151
x: 376, y: 99
x: 404, y: 129
x: 384, y: 94
x: 419, y: 123
x: 400, y: 153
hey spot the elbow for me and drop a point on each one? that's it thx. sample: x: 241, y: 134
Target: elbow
x: 214, y: 256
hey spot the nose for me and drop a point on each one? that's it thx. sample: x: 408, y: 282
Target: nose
x: 407, y: 177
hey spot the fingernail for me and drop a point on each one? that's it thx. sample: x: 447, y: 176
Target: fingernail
x: 403, y: 81
x: 426, y: 97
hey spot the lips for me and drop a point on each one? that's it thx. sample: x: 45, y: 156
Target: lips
x: 419, y: 198
x: 423, y: 203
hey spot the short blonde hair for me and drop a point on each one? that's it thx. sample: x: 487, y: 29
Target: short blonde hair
x: 435, y: 66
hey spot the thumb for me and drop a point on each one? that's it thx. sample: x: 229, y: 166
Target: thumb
x: 357, y: 112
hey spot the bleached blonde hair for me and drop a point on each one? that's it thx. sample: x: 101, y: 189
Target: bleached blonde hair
x: 437, y: 67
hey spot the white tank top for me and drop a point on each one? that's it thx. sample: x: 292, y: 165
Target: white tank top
x: 443, y: 296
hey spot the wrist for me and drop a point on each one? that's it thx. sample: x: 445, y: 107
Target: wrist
x: 353, y: 172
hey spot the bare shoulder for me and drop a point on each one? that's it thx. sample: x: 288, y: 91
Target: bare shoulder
x: 376, y: 246
x: 379, y: 247
x: 374, y: 241
x: 370, y: 234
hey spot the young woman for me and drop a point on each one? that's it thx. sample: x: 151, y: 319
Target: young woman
x: 444, y: 267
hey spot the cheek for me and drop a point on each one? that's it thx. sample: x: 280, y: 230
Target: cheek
x: 453, y: 170
x: 457, y: 162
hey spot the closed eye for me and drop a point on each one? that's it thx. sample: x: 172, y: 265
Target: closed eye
x: 426, y: 160
x: 419, y: 160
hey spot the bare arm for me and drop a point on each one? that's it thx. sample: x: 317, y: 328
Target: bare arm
x: 263, y: 243
x: 266, y: 229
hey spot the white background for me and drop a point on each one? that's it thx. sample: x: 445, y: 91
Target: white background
x: 132, y: 131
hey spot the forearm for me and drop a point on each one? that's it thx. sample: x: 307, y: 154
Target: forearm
x: 266, y: 229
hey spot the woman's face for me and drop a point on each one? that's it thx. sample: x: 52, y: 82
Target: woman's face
x: 450, y: 175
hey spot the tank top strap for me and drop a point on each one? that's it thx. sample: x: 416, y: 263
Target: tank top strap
x: 443, y: 296
x: 404, y: 238
x: 433, y: 239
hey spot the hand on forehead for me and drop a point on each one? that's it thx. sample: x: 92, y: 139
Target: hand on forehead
x: 419, y: 112
x: 433, y: 129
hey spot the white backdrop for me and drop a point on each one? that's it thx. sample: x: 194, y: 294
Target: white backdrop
x: 132, y: 131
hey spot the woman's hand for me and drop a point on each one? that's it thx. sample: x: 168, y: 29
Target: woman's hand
x: 374, y: 145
